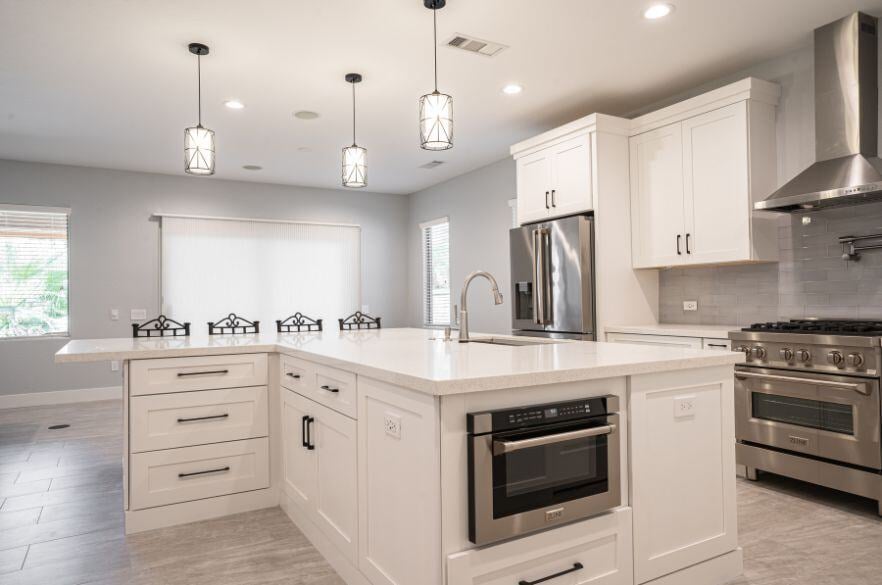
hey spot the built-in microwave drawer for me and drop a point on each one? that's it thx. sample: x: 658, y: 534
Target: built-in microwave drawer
x: 167, y: 421
x: 171, y: 476
x: 162, y: 376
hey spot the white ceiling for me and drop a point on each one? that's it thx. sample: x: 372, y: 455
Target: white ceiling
x: 109, y: 83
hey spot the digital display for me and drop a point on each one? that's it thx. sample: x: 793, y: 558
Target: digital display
x: 550, y: 413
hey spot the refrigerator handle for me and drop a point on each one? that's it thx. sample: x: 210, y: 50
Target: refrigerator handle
x: 541, y: 284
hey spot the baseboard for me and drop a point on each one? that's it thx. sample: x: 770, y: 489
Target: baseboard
x: 716, y: 571
x: 60, y: 397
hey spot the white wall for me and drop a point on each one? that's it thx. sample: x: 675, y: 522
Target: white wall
x: 114, y: 255
x: 480, y: 217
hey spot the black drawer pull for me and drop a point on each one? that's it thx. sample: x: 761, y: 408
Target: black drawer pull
x: 576, y: 567
x: 194, y: 473
x: 182, y: 374
x: 201, y: 418
x: 293, y: 375
x: 329, y: 389
x: 717, y: 345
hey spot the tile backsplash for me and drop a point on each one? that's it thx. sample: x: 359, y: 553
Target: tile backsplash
x: 810, y: 280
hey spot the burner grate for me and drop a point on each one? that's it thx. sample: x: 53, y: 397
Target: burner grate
x: 832, y: 326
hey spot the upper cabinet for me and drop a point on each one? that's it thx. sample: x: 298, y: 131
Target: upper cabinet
x: 696, y: 170
x: 554, y: 176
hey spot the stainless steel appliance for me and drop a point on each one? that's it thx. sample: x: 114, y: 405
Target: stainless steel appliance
x: 552, y: 273
x: 807, y: 402
x: 537, y: 467
x: 848, y: 169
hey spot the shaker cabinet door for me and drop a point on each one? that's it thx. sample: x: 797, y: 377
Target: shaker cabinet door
x: 571, y: 181
x: 534, y: 186
x: 299, y: 466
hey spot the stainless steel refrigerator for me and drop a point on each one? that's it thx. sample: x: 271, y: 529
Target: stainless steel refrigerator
x: 552, y: 274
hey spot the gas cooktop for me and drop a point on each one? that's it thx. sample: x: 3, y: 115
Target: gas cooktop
x: 821, y: 326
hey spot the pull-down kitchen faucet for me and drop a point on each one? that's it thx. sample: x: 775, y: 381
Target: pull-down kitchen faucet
x: 463, y: 309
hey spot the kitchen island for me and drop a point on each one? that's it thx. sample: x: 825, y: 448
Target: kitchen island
x: 362, y: 438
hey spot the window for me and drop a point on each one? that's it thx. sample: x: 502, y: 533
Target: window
x: 259, y: 269
x: 436, y: 272
x: 33, y: 271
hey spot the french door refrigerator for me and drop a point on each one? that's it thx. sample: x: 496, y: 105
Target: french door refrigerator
x: 552, y: 274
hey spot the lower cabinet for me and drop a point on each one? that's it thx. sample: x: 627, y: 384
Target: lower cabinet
x: 683, y: 484
x: 596, y: 551
x: 320, y: 467
x: 666, y: 340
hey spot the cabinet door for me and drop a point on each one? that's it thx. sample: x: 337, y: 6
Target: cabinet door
x: 336, y: 479
x: 534, y: 186
x: 657, y: 197
x: 682, y: 462
x: 299, y: 461
x: 716, y: 184
x: 571, y: 177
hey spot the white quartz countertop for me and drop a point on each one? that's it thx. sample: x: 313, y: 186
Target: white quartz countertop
x: 417, y: 359
x: 676, y: 329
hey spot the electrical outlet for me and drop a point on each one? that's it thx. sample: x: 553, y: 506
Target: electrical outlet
x: 684, y: 406
x: 114, y: 314
x: 139, y: 314
x: 392, y: 425
x: 114, y: 366
x: 366, y: 309
x: 690, y: 305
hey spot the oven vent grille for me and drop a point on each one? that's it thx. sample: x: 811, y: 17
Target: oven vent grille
x: 475, y: 45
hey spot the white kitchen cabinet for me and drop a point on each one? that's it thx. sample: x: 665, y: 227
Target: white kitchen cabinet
x: 555, y: 180
x: 683, y: 493
x: 319, y: 451
x: 666, y: 340
x: 697, y: 168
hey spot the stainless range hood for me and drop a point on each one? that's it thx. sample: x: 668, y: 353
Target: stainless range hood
x: 848, y: 170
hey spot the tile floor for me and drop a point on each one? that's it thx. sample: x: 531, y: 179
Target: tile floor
x: 61, y: 522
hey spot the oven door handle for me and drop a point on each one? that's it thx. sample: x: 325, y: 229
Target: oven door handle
x: 502, y: 447
x: 859, y: 388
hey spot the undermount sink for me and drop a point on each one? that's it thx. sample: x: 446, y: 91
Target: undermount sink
x: 507, y: 341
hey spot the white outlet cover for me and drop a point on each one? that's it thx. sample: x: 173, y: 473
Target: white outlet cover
x: 690, y: 305
x: 684, y: 406
x: 139, y: 314
x: 114, y: 314
x: 114, y: 366
x: 392, y: 425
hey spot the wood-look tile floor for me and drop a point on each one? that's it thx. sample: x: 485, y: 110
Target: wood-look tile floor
x: 61, y: 522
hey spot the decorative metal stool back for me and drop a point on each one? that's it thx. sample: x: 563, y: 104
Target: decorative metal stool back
x: 232, y: 324
x: 359, y: 320
x: 298, y: 322
x: 162, y: 326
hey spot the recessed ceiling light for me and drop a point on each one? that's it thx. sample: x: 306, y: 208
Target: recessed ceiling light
x: 234, y: 104
x: 252, y: 167
x: 658, y: 10
x: 306, y: 115
x: 512, y: 89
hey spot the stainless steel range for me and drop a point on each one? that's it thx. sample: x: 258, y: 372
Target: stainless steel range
x: 807, y: 402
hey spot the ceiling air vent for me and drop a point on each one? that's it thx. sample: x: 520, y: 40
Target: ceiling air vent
x: 475, y: 45
x: 432, y: 164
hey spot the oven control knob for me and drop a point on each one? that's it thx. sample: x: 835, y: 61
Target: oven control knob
x: 836, y: 358
x: 743, y: 349
x: 803, y: 355
x: 854, y: 360
x: 759, y: 352
x: 787, y: 354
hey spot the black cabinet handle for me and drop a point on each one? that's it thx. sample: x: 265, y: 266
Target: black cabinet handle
x: 717, y: 345
x: 309, y: 444
x: 688, y: 251
x: 182, y: 374
x: 329, y: 389
x: 304, y: 442
x: 546, y: 200
x: 194, y: 473
x: 293, y: 375
x: 679, y: 253
x: 553, y: 204
x: 576, y: 567
x: 202, y: 418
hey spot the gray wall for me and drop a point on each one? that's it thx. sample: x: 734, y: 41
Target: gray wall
x: 480, y: 217
x: 114, y: 255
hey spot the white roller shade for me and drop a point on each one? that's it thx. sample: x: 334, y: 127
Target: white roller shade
x: 260, y: 270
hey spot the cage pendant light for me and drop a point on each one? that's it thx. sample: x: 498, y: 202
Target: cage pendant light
x: 436, y: 108
x: 354, y: 157
x: 199, y: 140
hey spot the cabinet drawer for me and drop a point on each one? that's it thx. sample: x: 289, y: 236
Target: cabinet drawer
x: 596, y: 551
x: 167, y: 477
x: 335, y: 389
x: 296, y: 374
x: 647, y: 339
x: 162, y: 376
x: 166, y: 421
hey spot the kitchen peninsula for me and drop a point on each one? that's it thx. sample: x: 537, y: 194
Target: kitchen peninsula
x: 365, y: 439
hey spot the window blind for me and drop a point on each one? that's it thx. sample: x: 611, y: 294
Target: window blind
x: 436, y: 272
x: 33, y: 271
x: 260, y: 270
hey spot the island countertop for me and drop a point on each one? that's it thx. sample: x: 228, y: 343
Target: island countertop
x: 418, y: 358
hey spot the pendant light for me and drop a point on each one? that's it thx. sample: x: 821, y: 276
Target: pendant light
x: 198, y: 140
x: 354, y: 157
x: 436, y: 108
